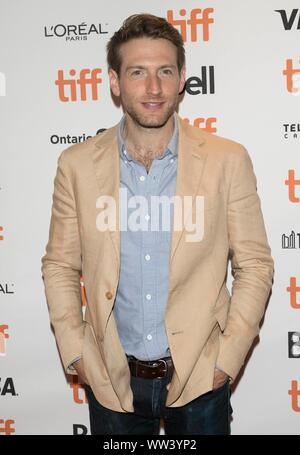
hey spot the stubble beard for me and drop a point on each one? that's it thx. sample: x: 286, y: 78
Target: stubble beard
x: 145, y: 121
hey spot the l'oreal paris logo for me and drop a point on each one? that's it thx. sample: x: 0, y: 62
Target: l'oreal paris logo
x: 75, y: 32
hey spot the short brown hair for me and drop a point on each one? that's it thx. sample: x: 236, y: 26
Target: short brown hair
x: 140, y: 26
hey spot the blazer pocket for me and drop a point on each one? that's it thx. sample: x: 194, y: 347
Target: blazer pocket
x: 222, y: 307
x: 88, y: 321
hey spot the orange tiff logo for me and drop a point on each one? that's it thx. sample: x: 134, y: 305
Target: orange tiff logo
x: 198, y: 18
x: 291, y: 183
x: 6, y: 427
x: 1, y: 236
x: 68, y: 87
x: 3, y: 337
x: 83, y: 294
x: 79, y: 395
x: 206, y: 124
x: 295, y: 393
x: 293, y: 289
x: 292, y: 77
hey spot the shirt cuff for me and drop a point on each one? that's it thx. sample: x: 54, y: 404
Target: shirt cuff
x: 220, y: 369
x: 72, y: 365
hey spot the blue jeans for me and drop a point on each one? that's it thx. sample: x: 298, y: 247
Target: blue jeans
x: 209, y: 414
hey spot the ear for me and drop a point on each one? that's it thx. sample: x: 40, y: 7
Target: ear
x: 114, y: 82
x: 182, y: 79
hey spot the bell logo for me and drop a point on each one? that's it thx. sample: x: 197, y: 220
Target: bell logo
x: 293, y: 289
x: 203, y: 85
x: 292, y: 77
x: 295, y: 393
x: 78, y: 389
x: 3, y: 337
x: 198, y: 17
x: 86, y: 78
x: 6, y: 427
x: 291, y: 182
x: 204, y: 124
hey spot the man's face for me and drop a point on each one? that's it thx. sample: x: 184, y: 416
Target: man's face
x: 149, y: 82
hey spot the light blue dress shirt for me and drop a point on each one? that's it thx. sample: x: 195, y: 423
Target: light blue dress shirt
x: 143, y: 288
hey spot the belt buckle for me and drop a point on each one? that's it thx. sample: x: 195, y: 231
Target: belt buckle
x: 166, y: 368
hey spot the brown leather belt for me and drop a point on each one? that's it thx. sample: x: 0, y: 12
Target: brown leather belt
x: 151, y: 369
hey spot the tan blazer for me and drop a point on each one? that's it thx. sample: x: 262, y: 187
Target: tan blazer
x: 205, y: 324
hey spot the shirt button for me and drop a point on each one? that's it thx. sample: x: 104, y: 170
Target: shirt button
x: 171, y: 160
x: 108, y: 295
x: 147, y: 217
x: 142, y: 178
x: 149, y: 337
x: 147, y: 257
x: 148, y: 296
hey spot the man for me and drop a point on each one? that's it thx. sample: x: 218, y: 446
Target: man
x: 161, y: 338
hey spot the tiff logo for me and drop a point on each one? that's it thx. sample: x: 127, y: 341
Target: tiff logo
x: 87, y: 78
x: 292, y: 77
x: 206, y: 124
x: 291, y: 183
x: 293, y: 289
x: 83, y: 294
x: 289, y: 241
x: 3, y: 338
x: 288, y: 22
x: 295, y: 393
x: 1, y: 236
x: 6, y: 427
x: 78, y: 389
x: 198, y: 17
x: 294, y: 345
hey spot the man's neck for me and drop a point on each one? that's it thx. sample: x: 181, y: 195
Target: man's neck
x: 147, y: 142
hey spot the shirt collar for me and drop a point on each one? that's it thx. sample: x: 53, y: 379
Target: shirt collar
x: 172, y: 146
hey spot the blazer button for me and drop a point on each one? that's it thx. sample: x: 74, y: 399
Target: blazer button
x: 108, y: 295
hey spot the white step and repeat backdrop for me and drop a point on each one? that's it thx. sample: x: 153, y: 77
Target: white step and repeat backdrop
x: 243, y: 61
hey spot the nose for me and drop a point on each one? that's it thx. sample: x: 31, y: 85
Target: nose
x: 153, y: 85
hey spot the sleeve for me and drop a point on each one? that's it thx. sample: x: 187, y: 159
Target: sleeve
x: 252, y: 266
x: 61, y: 268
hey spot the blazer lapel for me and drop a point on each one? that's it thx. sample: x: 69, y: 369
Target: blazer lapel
x: 107, y: 167
x: 190, y: 168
